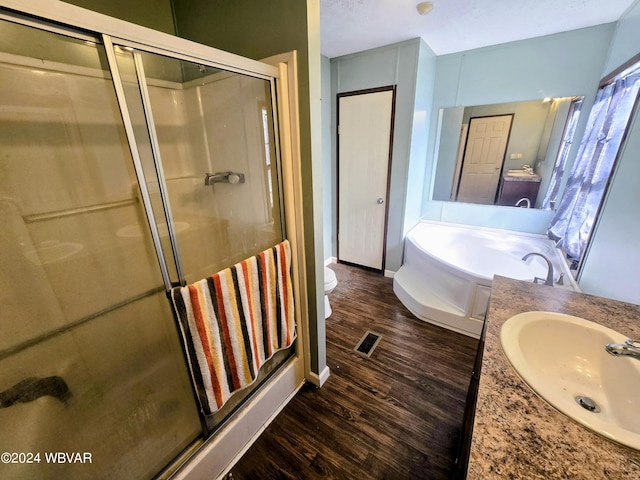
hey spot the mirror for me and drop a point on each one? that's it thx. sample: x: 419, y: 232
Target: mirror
x: 510, y: 154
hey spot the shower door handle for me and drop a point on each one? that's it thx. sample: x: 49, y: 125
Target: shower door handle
x: 380, y: 201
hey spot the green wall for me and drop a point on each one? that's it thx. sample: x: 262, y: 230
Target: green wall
x: 329, y: 190
x: 156, y: 14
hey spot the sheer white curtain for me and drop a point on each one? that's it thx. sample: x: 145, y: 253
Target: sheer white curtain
x: 576, y: 212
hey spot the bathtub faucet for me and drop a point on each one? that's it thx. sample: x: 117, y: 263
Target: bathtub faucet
x: 549, y: 280
x: 629, y: 348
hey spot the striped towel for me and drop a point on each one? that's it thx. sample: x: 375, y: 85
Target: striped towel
x: 235, y: 320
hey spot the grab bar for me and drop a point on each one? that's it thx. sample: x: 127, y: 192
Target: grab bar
x: 33, y: 388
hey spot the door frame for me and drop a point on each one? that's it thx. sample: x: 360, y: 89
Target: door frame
x: 462, y: 144
x: 366, y: 91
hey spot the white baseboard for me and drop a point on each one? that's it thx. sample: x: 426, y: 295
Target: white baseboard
x: 318, y: 380
x: 330, y: 260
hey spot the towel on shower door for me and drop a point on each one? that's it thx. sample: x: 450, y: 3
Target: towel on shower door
x: 235, y: 320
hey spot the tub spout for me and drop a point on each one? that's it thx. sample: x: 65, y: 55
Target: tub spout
x: 549, y: 280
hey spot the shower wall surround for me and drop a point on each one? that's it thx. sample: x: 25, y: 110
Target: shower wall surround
x: 90, y: 357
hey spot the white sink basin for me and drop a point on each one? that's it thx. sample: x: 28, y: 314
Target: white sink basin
x: 519, y: 173
x: 563, y: 359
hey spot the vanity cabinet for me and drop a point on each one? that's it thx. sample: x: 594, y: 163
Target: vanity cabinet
x: 513, y: 189
x: 464, y: 444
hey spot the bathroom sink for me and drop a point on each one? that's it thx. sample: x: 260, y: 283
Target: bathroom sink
x: 519, y: 173
x: 563, y: 359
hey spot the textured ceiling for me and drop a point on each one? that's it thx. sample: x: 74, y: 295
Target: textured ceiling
x: 348, y: 26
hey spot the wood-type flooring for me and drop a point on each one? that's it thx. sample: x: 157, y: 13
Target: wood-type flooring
x: 395, y: 415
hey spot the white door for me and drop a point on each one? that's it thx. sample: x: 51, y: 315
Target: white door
x: 483, y: 157
x: 364, y: 141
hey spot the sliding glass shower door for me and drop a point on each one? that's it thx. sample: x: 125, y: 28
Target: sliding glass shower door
x: 209, y: 159
x: 207, y: 148
x: 89, y: 357
x: 108, y: 197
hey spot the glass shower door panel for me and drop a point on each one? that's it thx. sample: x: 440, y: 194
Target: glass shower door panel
x: 135, y: 109
x: 90, y: 359
x: 216, y: 144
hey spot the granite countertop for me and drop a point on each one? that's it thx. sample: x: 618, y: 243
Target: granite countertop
x: 516, y: 434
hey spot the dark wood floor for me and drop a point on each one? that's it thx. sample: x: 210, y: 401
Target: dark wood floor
x: 395, y: 415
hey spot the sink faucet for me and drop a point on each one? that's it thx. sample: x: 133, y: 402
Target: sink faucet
x: 549, y: 279
x: 629, y: 348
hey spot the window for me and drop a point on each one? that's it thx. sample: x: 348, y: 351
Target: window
x: 563, y: 154
x: 577, y: 211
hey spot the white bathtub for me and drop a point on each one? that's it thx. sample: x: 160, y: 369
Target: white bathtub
x: 447, y: 271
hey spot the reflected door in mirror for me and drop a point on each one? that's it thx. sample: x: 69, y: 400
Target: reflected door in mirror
x: 483, y: 157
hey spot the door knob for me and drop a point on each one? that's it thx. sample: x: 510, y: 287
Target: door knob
x: 380, y: 201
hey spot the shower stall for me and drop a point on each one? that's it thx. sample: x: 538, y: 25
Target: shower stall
x: 127, y: 167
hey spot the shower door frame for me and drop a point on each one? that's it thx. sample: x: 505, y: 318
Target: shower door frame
x: 219, y: 452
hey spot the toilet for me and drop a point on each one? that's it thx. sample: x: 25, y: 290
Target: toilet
x: 330, y: 282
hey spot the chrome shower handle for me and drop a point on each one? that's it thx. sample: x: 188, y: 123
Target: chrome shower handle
x: 223, y: 177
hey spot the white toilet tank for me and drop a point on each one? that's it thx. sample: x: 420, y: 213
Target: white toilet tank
x: 330, y: 280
